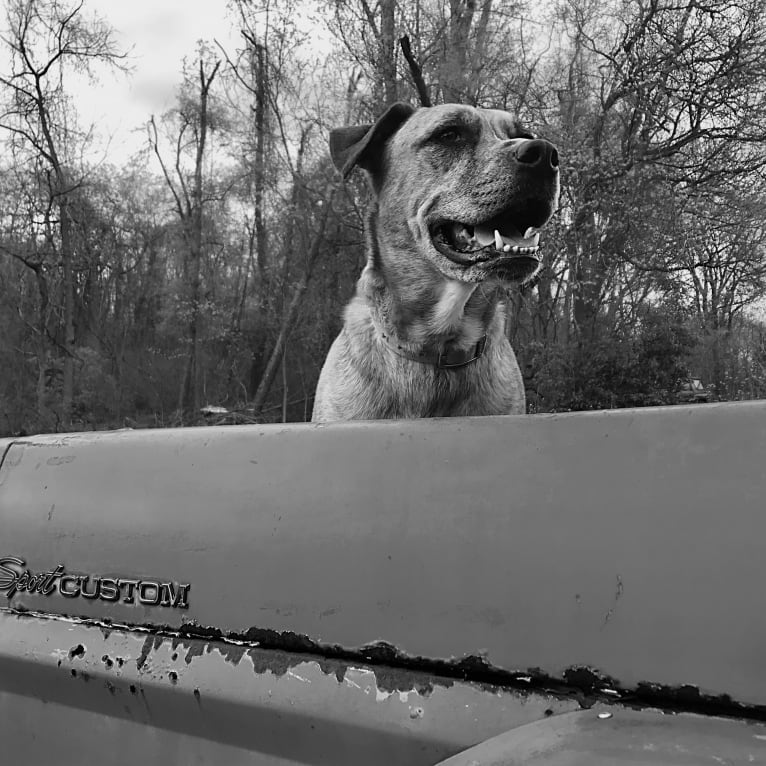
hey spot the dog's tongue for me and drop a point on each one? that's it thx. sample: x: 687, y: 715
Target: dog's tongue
x: 485, y: 235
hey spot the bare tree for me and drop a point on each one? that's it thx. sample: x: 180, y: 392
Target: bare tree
x: 646, y: 108
x: 45, y: 40
x: 193, y: 126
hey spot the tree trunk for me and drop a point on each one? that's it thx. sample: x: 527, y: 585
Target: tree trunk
x: 291, y: 312
x: 284, y: 384
x: 387, y: 51
x: 454, y: 66
x: 477, y: 56
x: 189, y: 399
x: 259, y: 168
x: 67, y: 253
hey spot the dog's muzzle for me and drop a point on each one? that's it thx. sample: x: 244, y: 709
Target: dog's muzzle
x: 507, y: 241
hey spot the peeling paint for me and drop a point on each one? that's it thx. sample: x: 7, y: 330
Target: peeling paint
x: 393, y: 672
x: 151, y: 644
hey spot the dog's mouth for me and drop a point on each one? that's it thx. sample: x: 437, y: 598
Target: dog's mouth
x: 507, y: 243
x: 484, y: 241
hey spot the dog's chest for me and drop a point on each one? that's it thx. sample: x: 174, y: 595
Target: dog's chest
x: 447, y: 317
x: 480, y: 389
x: 400, y: 388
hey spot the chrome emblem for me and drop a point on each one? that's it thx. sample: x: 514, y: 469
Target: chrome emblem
x: 16, y: 578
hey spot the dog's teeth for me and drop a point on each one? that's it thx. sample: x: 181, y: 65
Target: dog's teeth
x: 483, y: 235
x: 506, y: 248
x: 498, y: 240
x: 530, y: 232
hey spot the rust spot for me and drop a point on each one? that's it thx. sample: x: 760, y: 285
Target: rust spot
x: 272, y: 661
x: 196, y: 649
x: 107, y: 660
x: 587, y: 679
x: 276, y: 652
x: 395, y: 680
x: 76, y: 651
x: 74, y: 673
x: 232, y: 653
x: 173, y: 676
x: 133, y: 689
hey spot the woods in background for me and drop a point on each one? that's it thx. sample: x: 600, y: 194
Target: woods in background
x: 212, y: 267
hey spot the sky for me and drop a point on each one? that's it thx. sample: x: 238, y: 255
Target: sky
x: 158, y: 34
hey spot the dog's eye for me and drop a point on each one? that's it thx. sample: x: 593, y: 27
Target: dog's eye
x: 449, y: 136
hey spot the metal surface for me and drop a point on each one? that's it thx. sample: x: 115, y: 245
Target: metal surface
x: 605, y: 738
x: 616, y: 551
x: 218, y: 702
x: 630, y: 541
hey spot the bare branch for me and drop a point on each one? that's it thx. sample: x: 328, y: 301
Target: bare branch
x: 415, y: 71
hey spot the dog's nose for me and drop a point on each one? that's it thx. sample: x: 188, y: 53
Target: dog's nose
x: 538, y: 154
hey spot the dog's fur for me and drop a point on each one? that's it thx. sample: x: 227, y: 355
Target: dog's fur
x: 428, y: 165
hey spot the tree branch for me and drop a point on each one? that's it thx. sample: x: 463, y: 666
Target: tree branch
x: 415, y: 71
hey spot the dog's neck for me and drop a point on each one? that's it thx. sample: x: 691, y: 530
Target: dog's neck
x: 416, y: 307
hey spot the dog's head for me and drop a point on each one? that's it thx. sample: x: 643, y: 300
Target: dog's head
x: 469, y: 187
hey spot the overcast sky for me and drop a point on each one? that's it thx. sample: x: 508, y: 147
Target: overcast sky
x: 159, y: 34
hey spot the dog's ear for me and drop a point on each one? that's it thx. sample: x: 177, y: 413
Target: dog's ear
x: 362, y: 145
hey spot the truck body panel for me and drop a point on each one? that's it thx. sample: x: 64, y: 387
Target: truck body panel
x: 408, y: 588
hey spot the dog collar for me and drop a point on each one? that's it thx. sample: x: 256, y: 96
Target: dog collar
x: 445, y: 359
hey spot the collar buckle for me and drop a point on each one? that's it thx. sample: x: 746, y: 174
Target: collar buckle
x: 449, y: 360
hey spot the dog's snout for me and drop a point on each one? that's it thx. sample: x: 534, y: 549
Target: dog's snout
x: 537, y: 154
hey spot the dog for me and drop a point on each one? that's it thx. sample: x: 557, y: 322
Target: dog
x: 458, y: 197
